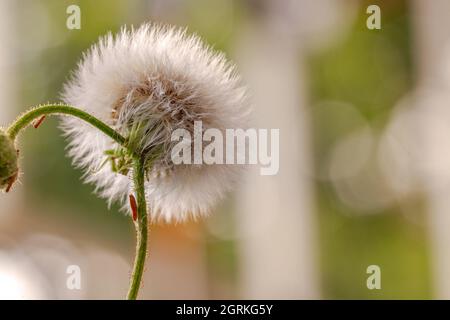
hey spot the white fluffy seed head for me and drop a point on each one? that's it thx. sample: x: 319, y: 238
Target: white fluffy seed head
x: 146, y: 83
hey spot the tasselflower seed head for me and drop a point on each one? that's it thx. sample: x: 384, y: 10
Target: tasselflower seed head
x: 146, y: 83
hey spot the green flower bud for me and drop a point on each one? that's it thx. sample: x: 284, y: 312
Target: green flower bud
x: 8, y: 161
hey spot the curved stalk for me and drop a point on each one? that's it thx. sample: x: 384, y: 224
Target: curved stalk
x: 51, y: 109
x: 141, y: 229
x: 28, y: 117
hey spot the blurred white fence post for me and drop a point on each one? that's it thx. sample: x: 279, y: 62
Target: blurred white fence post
x: 432, y: 44
x: 275, y: 213
x: 8, y: 76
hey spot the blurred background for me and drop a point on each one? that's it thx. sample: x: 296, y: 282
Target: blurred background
x: 364, y: 176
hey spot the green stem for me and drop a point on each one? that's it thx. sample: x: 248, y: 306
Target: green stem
x: 28, y: 117
x: 141, y: 229
x: 138, y: 175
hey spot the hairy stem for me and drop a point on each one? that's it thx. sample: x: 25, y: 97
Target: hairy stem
x: 51, y: 109
x: 141, y: 229
x: 138, y: 175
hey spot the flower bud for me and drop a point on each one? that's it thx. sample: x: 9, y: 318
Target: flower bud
x: 8, y: 161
